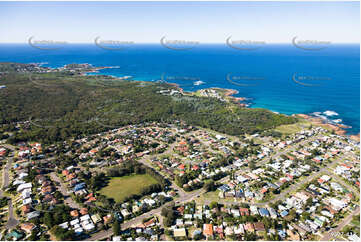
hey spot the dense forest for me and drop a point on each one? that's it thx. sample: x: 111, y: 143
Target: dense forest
x: 57, y: 105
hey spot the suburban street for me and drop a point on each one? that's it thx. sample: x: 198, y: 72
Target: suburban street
x: 144, y: 159
x: 296, y: 186
x: 12, y: 221
x: 288, y: 149
x: 185, y: 197
x: 331, y: 234
x: 7, y: 167
x: 6, y: 173
x: 138, y: 220
x: 68, y: 200
x: 189, y: 196
x: 180, y: 121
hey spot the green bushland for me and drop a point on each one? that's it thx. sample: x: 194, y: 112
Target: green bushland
x: 62, y: 105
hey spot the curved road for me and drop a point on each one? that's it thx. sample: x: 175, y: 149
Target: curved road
x: 68, y: 200
x: 12, y: 221
x: 185, y: 197
x: 137, y: 220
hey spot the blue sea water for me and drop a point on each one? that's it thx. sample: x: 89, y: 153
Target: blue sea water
x: 281, y: 78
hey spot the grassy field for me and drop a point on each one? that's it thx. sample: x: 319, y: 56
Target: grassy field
x: 122, y: 187
x: 212, y: 197
x: 292, y: 128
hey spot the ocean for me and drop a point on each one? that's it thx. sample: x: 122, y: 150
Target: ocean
x: 278, y: 77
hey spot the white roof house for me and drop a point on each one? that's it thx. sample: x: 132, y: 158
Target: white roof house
x: 18, y: 182
x: 125, y: 212
x: 79, y: 230
x: 85, y: 222
x: 21, y: 187
x: 242, y: 179
x: 26, y: 193
x: 273, y: 213
x: 76, y: 226
x: 150, y: 202
x: 85, y: 217
x: 89, y: 226
x: 73, y: 222
x: 337, y: 204
x: 188, y: 216
x: 239, y: 229
x: 326, y: 178
x: 23, y: 174
x: 220, y: 137
x: 117, y: 238
x: 64, y: 225
x: 27, y: 201
x: 254, y: 210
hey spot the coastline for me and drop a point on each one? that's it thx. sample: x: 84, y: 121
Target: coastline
x: 227, y: 93
x: 339, y: 129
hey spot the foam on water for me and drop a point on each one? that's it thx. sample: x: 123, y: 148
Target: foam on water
x: 330, y: 113
x: 336, y: 70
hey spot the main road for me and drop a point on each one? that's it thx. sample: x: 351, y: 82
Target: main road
x: 185, y: 197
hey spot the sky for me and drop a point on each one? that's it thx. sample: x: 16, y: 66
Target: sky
x: 204, y: 22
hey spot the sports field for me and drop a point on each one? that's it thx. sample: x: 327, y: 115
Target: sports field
x: 122, y: 187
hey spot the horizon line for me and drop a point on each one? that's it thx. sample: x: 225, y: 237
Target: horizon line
x: 198, y: 43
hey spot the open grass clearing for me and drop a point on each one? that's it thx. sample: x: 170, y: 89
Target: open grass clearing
x: 119, y: 188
